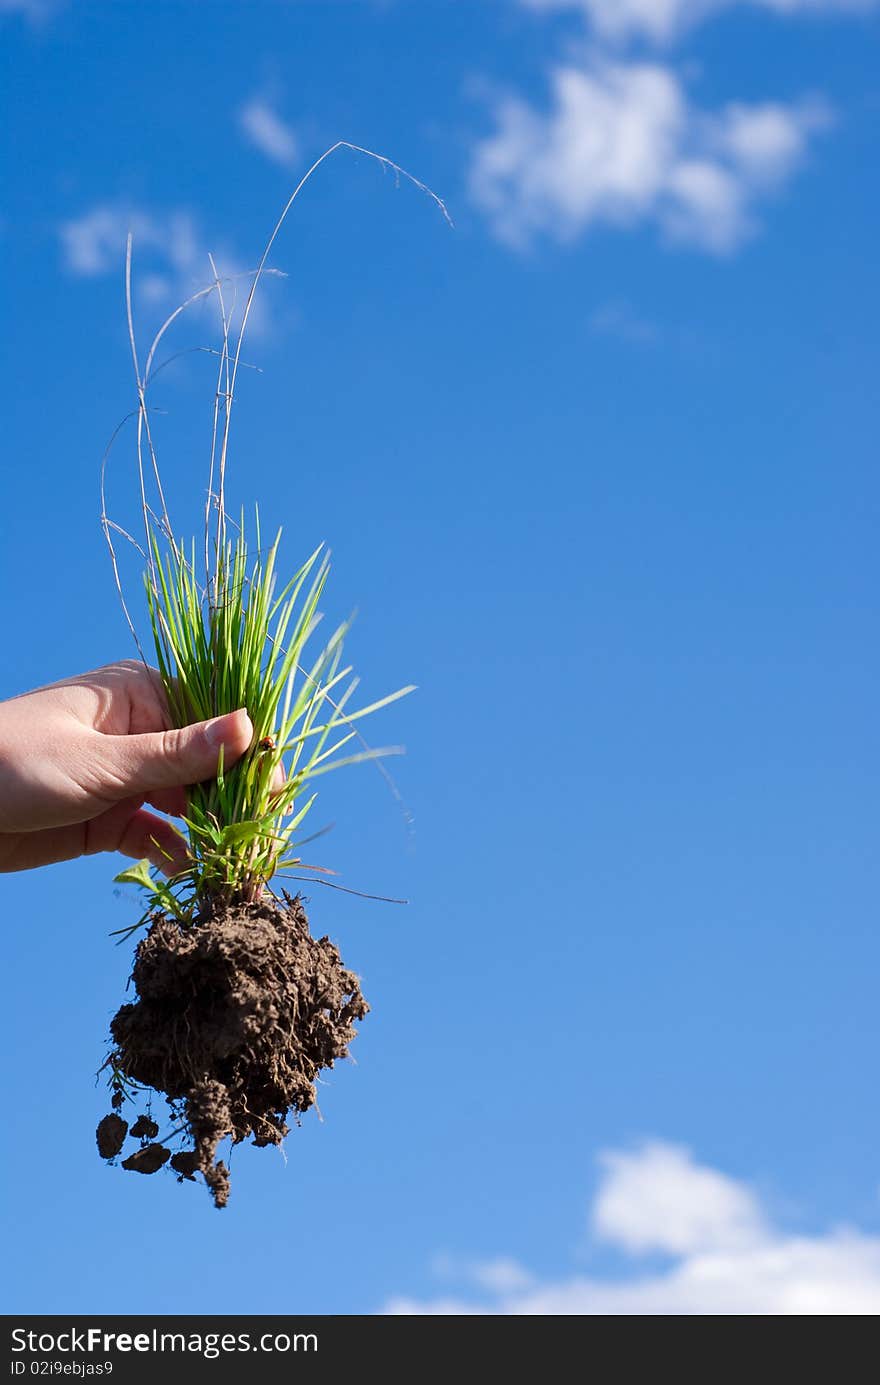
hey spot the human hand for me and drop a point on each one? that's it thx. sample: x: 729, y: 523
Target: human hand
x: 80, y: 758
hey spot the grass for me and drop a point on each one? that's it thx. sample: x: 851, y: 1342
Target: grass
x: 246, y: 647
x: 226, y: 637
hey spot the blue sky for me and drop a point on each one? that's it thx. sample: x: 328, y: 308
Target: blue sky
x: 597, y: 470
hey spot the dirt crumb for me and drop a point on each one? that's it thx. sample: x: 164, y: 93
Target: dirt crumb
x: 186, y: 1163
x: 144, y: 1128
x: 217, y: 1179
x: 110, y: 1134
x: 147, y: 1160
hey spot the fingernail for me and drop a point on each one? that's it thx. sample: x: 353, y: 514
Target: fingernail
x: 218, y: 731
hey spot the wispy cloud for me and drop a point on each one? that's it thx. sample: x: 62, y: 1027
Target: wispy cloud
x: 661, y: 21
x: 726, y: 1256
x: 93, y: 243
x: 619, y: 319
x: 265, y: 129
x: 34, y: 10
x: 620, y: 144
x: 503, y: 1275
x: 170, y: 255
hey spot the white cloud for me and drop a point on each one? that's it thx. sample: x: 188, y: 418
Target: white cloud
x: 502, y: 1275
x: 657, y: 1198
x: 94, y: 243
x: 618, y: 319
x: 660, y: 21
x: 764, y: 142
x: 169, y: 256
x: 621, y: 144
x: 616, y: 20
x: 268, y: 132
x: 34, y: 10
x: 728, y: 1258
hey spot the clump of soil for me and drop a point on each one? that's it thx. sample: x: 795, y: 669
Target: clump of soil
x: 235, y: 1017
x: 147, y: 1160
x: 110, y: 1135
x: 186, y: 1164
x: 145, y: 1128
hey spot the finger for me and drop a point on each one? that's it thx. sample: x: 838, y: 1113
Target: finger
x: 131, y: 829
x: 168, y: 759
x: 171, y: 801
x: 28, y: 850
x: 124, y: 827
x: 156, y: 839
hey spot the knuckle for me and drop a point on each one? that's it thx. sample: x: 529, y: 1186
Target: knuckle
x: 172, y: 743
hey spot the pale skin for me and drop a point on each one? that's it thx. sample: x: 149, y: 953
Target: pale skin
x: 83, y: 761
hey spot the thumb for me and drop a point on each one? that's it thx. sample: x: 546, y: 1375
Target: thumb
x: 166, y: 759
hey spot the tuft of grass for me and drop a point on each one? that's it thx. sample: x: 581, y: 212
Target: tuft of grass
x: 244, y: 645
x: 230, y: 638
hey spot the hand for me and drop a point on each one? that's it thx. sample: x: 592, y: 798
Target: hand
x: 80, y: 758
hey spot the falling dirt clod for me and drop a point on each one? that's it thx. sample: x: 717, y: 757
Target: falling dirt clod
x: 110, y: 1135
x: 186, y: 1163
x: 144, y: 1128
x: 235, y: 1018
x: 147, y: 1160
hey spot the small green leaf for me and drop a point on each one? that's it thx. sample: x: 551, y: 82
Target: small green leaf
x: 138, y: 874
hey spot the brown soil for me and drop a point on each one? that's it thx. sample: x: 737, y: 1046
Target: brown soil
x: 147, y: 1160
x: 110, y: 1135
x: 235, y: 1018
x: 185, y: 1163
x: 144, y: 1128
